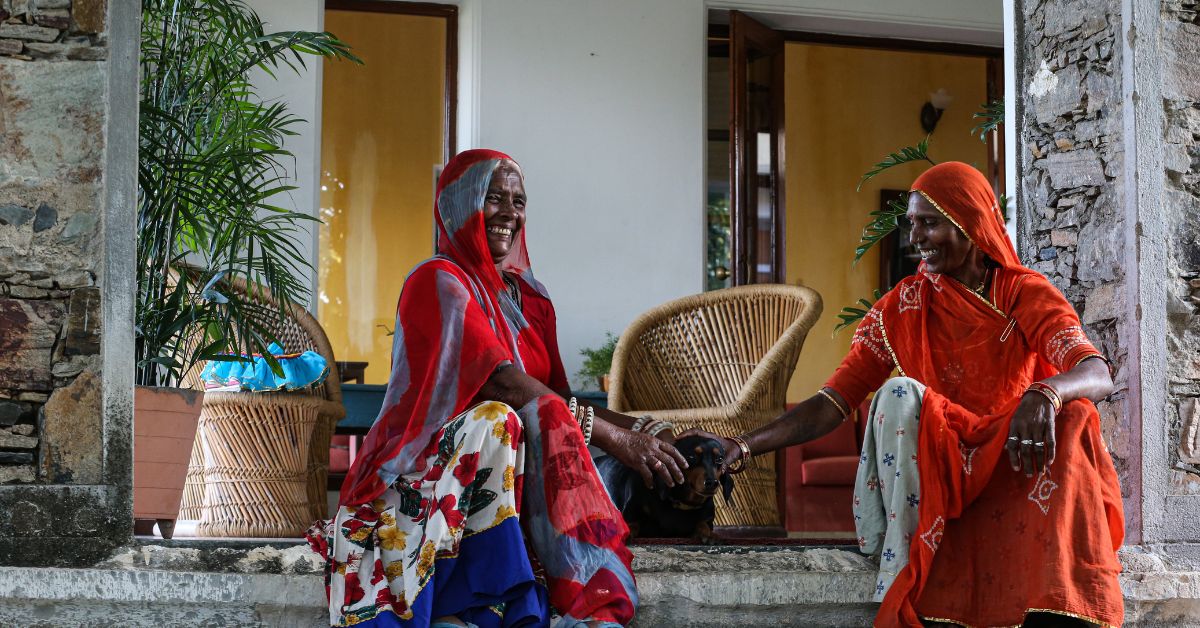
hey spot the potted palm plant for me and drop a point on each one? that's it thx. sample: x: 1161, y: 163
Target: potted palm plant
x: 211, y: 162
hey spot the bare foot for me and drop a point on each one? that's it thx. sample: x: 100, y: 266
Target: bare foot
x: 450, y: 619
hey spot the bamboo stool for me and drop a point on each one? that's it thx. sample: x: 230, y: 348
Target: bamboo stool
x: 256, y: 466
x: 193, y: 487
x: 253, y: 426
x: 720, y: 361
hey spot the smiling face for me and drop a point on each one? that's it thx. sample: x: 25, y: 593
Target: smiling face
x: 504, y: 209
x: 942, y: 246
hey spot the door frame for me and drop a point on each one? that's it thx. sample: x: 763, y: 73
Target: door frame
x: 742, y: 165
x: 428, y: 9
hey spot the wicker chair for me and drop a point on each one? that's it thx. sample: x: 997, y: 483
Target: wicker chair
x: 261, y: 460
x: 720, y: 361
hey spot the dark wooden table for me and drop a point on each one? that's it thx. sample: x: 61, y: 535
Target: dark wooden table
x: 352, y: 371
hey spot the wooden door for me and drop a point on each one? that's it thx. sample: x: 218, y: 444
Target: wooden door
x: 756, y: 151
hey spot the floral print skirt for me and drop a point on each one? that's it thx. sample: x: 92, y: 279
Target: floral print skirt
x: 444, y: 541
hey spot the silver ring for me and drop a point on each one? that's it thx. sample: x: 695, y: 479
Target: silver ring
x: 1027, y: 442
x: 1014, y: 438
x: 1039, y: 444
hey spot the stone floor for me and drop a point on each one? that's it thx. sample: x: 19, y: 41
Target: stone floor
x: 273, y: 583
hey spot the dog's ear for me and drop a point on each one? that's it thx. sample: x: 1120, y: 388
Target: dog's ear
x: 727, y: 488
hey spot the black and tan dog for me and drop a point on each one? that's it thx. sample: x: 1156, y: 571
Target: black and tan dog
x: 683, y: 511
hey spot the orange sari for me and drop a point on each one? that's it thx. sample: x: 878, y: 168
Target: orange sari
x: 991, y: 544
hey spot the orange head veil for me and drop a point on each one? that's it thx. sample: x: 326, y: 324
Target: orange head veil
x: 965, y: 197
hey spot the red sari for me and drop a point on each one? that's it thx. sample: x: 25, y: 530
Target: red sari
x: 455, y: 326
x: 991, y: 544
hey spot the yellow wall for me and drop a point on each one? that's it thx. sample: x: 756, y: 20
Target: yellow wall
x: 381, y: 138
x: 845, y: 109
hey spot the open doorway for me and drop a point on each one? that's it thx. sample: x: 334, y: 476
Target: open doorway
x: 847, y: 101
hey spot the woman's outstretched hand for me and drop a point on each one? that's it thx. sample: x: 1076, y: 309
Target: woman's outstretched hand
x: 648, y: 456
x: 732, y: 451
x: 1030, y: 441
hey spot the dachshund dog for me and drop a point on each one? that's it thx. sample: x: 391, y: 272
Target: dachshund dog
x: 683, y: 511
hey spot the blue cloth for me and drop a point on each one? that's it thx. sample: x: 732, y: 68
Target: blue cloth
x: 492, y: 569
x: 252, y: 373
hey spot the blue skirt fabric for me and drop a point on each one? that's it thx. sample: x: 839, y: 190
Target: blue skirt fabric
x: 490, y: 584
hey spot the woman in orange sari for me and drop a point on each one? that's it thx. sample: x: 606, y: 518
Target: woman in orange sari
x: 984, y: 484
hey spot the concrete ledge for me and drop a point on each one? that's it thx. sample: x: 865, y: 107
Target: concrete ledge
x: 280, y: 584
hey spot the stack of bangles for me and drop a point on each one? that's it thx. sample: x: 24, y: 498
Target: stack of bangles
x: 739, y: 465
x: 1049, y: 392
x: 651, y: 426
x: 586, y: 416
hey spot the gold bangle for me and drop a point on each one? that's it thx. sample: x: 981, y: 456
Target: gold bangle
x: 1048, y: 392
x: 743, y: 459
x: 845, y: 412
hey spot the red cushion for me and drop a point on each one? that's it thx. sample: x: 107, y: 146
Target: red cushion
x: 840, y: 442
x: 829, y: 471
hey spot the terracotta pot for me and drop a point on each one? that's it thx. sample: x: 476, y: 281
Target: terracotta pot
x: 164, y: 428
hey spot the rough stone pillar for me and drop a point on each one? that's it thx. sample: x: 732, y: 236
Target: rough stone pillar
x: 1108, y: 123
x: 68, y: 133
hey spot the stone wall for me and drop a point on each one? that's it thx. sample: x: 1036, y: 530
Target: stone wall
x: 52, y: 114
x: 1071, y: 223
x: 1181, y: 103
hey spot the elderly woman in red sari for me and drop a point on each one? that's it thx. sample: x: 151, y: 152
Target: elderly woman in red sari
x: 475, y: 502
x: 984, y: 485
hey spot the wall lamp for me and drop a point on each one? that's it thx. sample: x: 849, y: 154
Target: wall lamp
x: 932, y: 110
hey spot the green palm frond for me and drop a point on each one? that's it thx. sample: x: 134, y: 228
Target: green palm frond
x: 851, y: 314
x: 1003, y: 202
x: 883, y: 222
x: 905, y: 155
x: 211, y: 171
x: 991, y: 117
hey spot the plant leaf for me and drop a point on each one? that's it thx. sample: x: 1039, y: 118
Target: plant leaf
x: 907, y: 154
x: 990, y: 117
x: 883, y: 222
x: 851, y: 314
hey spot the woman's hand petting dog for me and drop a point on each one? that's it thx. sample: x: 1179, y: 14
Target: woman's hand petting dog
x: 648, y: 456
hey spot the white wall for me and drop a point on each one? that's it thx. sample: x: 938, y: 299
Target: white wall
x: 302, y: 93
x: 602, y: 102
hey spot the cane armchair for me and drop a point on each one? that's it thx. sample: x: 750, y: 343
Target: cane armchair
x: 720, y: 361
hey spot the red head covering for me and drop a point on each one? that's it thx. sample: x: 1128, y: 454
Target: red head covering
x: 455, y: 325
x: 965, y: 197
x: 458, y: 208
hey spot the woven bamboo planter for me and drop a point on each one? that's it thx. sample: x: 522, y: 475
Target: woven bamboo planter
x: 256, y: 466
x: 720, y: 361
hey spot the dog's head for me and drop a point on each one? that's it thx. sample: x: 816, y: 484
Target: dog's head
x: 702, y: 478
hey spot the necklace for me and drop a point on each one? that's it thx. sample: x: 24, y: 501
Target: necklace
x: 982, y: 282
x: 514, y: 291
